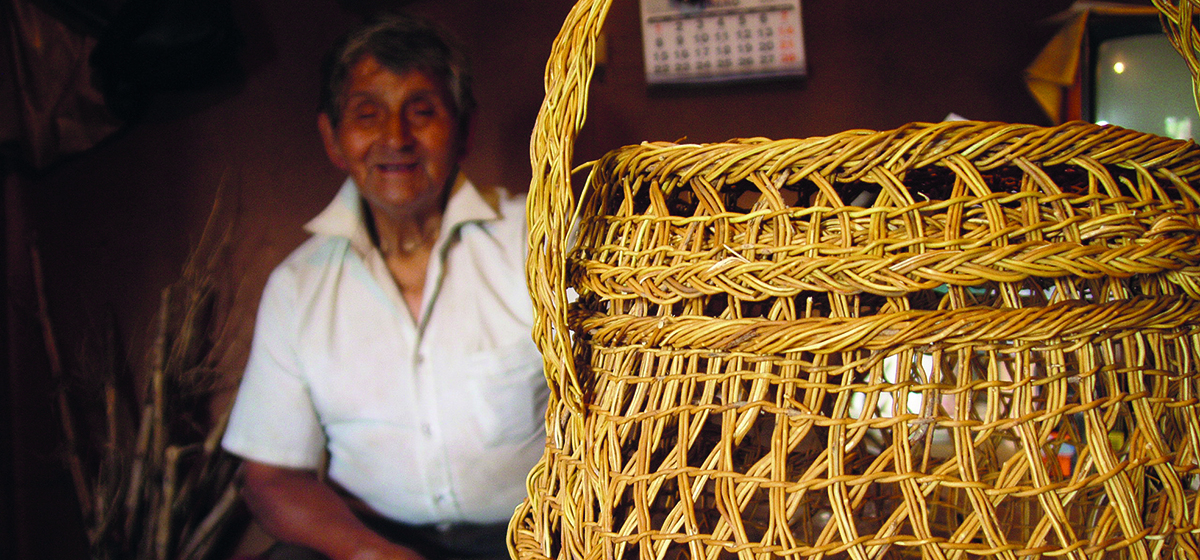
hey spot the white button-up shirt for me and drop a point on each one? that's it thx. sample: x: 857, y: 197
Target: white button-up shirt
x: 429, y: 420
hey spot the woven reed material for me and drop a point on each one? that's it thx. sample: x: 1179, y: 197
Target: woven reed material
x: 951, y: 340
x: 1179, y: 22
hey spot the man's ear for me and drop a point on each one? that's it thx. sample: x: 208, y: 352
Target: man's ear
x: 329, y: 137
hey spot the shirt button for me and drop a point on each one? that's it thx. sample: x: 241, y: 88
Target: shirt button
x: 420, y: 359
x: 426, y: 429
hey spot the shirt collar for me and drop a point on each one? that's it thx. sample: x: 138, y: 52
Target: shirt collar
x: 345, y: 215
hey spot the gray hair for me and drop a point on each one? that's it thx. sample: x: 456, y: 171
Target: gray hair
x: 400, y: 43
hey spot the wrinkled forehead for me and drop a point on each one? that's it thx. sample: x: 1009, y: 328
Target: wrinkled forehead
x: 367, y: 64
x: 371, y: 79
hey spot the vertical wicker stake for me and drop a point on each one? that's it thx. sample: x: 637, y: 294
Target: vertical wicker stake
x: 954, y: 340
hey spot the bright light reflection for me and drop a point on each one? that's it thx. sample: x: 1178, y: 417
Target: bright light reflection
x: 1119, y: 67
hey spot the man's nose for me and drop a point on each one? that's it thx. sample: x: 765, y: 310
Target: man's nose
x: 397, y: 131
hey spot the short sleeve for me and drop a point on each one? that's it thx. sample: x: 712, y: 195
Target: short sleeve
x: 273, y: 419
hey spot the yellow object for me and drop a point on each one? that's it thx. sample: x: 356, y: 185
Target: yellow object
x: 1056, y: 68
x: 866, y: 345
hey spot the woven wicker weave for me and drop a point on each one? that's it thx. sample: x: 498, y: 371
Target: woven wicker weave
x: 1179, y: 22
x: 947, y: 340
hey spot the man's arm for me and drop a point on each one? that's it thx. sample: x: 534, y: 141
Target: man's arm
x: 296, y: 507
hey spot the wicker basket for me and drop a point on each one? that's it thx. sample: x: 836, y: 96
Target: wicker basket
x: 943, y: 341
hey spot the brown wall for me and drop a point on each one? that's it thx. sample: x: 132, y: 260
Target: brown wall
x: 115, y: 224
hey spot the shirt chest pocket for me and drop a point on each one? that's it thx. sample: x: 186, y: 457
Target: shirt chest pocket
x: 506, y: 392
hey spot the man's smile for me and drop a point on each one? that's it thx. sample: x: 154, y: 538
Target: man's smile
x: 396, y: 167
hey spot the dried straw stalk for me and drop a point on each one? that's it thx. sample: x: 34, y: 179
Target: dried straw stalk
x: 161, y: 487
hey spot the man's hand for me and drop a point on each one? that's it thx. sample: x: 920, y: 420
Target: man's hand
x: 295, y: 506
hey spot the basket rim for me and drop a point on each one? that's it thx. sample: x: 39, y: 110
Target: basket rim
x: 850, y: 154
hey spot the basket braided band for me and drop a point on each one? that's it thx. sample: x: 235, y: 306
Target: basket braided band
x: 966, y: 204
x: 1072, y: 445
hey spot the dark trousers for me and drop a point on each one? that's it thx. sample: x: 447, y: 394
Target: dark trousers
x: 454, y: 542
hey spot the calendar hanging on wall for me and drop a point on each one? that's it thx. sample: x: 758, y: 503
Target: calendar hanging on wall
x: 702, y: 41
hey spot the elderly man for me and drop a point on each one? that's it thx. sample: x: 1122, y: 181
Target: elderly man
x: 394, y: 345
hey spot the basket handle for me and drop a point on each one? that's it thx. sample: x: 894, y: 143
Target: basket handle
x: 1179, y: 25
x: 551, y: 200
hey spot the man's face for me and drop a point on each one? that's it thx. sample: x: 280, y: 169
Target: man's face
x: 398, y: 138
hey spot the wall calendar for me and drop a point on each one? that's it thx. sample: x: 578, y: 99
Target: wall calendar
x: 699, y: 41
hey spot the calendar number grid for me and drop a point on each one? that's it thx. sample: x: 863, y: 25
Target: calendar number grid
x: 700, y: 46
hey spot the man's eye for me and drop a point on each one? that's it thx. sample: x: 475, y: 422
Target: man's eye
x: 423, y: 109
x: 364, y: 112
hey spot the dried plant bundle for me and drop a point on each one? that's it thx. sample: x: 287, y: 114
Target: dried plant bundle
x: 149, y: 473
